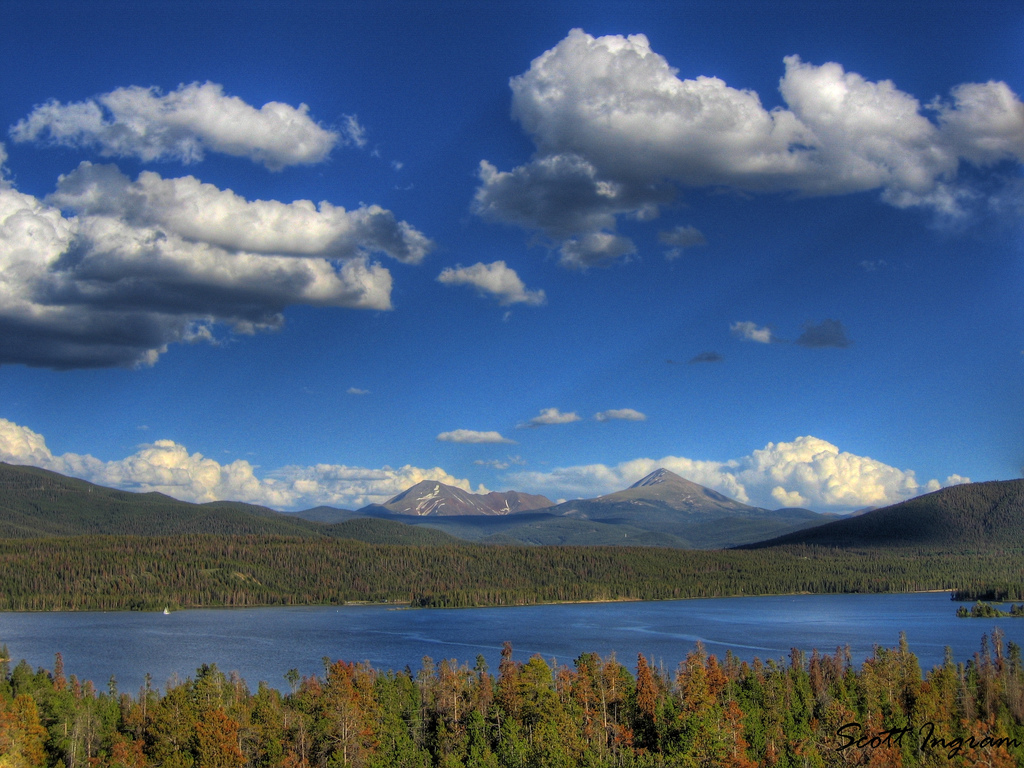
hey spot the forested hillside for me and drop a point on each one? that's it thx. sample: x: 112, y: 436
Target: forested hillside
x: 126, y: 572
x: 804, y: 711
x: 35, y: 502
x: 376, y: 531
x: 973, y: 516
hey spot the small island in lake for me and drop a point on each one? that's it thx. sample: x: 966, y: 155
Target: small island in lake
x: 982, y: 610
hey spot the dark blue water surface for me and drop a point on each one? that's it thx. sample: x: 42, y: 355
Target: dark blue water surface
x: 264, y: 643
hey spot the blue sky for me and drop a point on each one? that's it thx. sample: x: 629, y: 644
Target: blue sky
x: 546, y: 246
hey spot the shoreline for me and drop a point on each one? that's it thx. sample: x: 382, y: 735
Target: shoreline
x: 405, y: 605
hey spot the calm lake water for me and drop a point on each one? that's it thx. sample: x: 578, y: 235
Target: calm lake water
x: 264, y: 643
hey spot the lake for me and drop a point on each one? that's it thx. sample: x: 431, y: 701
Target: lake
x: 264, y: 643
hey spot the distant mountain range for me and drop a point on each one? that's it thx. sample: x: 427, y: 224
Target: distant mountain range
x: 662, y: 510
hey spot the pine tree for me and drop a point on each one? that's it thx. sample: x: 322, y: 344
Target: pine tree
x: 217, y: 741
x: 22, y: 736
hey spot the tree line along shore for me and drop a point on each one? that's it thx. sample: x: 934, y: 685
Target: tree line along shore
x: 149, y: 573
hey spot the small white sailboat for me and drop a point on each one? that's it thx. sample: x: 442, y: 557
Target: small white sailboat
x: 167, y: 611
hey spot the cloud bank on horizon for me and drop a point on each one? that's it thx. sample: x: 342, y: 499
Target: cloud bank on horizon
x: 617, y: 133
x: 167, y: 467
x: 804, y: 472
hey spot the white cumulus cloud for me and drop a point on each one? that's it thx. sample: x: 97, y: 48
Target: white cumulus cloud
x: 183, y: 125
x: 108, y: 272
x: 496, y: 279
x: 934, y: 485
x: 167, y: 467
x: 595, y: 249
x: 787, y: 498
x: 204, y: 213
x: 752, y: 332
x: 472, y: 436
x: 618, y: 132
x: 549, y: 416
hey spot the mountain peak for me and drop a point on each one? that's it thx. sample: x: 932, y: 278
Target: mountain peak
x: 424, y: 489
x: 430, y: 497
x: 668, y: 489
x: 659, y: 475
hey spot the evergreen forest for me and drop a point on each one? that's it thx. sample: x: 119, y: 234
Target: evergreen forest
x: 816, y: 710
x: 189, y: 571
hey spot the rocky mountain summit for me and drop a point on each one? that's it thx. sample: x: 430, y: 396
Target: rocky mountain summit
x: 430, y: 497
x: 661, y: 489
